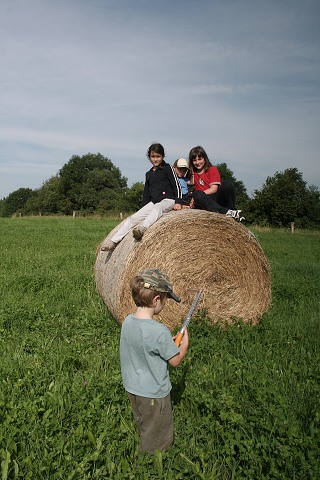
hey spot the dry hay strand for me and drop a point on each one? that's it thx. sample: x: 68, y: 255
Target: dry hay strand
x: 196, y: 249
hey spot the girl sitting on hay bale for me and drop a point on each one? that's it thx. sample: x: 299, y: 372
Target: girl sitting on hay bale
x: 209, y: 193
x: 161, y: 191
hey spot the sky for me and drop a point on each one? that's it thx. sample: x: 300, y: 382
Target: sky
x: 241, y: 78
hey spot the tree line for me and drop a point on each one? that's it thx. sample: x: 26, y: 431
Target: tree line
x: 92, y: 184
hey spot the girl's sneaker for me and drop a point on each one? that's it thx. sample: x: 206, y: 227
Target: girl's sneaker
x: 235, y: 214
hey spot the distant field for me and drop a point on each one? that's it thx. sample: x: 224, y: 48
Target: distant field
x: 246, y: 399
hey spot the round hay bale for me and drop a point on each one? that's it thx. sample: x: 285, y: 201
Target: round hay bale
x: 196, y: 249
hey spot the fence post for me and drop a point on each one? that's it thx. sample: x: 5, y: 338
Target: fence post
x: 292, y: 227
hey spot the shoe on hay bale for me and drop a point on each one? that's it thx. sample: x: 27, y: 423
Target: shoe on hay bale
x: 235, y: 214
x: 138, y: 232
x: 107, y: 247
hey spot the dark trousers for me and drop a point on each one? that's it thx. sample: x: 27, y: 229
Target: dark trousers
x: 221, y: 201
x: 154, y: 421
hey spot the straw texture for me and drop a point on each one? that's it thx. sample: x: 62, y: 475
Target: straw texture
x: 196, y: 249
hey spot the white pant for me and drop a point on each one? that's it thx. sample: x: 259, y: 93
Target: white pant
x: 150, y: 213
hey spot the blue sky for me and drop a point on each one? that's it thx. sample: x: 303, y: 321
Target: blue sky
x: 241, y: 78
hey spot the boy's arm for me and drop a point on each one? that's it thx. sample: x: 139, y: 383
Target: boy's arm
x: 191, y: 180
x: 177, y: 359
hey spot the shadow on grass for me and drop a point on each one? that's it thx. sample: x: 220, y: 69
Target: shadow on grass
x: 179, y: 385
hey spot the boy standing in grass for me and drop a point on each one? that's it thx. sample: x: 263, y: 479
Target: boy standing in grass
x: 146, y: 348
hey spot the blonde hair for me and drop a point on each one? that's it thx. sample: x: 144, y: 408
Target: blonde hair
x: 141, y: 295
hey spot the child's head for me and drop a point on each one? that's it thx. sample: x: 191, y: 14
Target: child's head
x: 156, y: 155
x: 181, y: 167
x: 150, y: 283
x: 156, y: 148
x: 196, y: 154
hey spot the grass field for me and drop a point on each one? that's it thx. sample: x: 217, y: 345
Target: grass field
x: 246, y: 400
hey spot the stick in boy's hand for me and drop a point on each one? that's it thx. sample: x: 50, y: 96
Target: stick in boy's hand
x: 178, y: 338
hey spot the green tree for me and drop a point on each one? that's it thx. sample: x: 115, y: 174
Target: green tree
x: 285, y: 198
x: 134, y: 197
x: 89, y: 182
x: 242, y: 198
x: 47, y: 198
x: 15, y: 202
x: 312, y: 209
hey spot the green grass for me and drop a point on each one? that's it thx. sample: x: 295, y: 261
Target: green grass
x: 245, y: 400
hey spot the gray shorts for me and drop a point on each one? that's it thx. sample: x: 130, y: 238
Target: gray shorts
x: 154, y: 420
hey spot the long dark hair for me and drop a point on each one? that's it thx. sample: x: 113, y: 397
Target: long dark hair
x: 202, y: 153
x: 156, y: 148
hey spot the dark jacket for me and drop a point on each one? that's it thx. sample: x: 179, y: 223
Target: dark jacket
x: 161, y: 183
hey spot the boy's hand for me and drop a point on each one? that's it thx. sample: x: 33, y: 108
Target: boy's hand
x: 184, y: 341
x: 177, y: 359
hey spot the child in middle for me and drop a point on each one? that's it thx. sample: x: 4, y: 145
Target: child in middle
x: 161, y: 191
x: 181, y: 167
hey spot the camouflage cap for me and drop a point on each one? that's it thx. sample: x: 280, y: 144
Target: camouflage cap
x: 155, y: 279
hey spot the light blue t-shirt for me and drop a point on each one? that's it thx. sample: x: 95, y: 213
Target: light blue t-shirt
x: 145, y: 348
x: 184, y: 185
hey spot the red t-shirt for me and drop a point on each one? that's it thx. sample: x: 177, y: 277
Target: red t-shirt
x: 204, y: 180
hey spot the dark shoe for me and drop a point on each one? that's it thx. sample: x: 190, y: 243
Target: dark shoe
x: 138, y: 232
